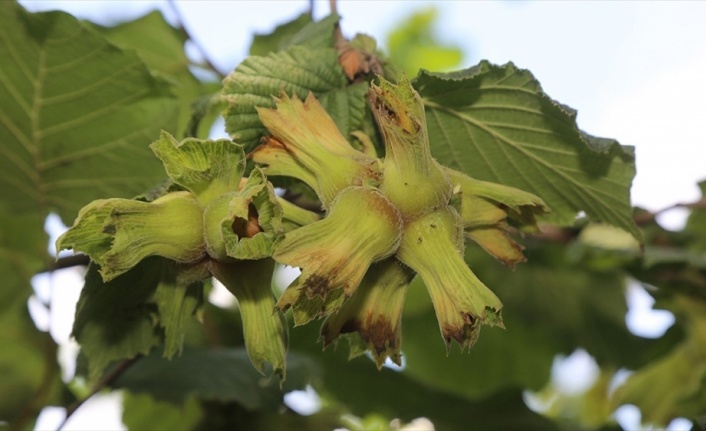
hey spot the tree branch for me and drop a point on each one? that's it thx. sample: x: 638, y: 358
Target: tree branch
x: 180, y: 22
x: 564, y: 235
x: 68, y: 262
x: 106, y: 380
x: 648, y: 217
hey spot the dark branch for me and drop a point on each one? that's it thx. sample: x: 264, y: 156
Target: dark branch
x: 68, y: 262
x: 180, y: 22
x: 101, y: 384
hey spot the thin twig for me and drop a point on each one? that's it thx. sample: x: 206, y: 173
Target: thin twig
x: 648, y: 217
x: 107, y: 379
x: 564, y: 235
x: 181, y: 27
x: 68, y: 262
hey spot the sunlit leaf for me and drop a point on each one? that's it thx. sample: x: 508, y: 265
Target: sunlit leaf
x: 178, y: 303
x: 161, y: 47
x: 76, y: 115
x: 495, y: 123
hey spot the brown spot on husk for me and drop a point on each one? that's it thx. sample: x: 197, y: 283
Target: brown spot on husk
x: 317, y: 285
x: 380, y: 334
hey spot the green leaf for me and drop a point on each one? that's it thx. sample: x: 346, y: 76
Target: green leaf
x: 590, y: 409
x: 178, y: 301
x: 142, y: 412
x: 563, y: 300
x: 551, y: 306
x: 500, y: 360
x: 347, y: 107
x: 30, y: 375
x: 23, y: 252
x: 161, y: 47
x: 233, y: 416
x: 413, y: 45
x: 116, y: 320
x: 134, y: 312
x: 76, y: 115
x: 264, y: 44
x: 696, y: 224
x: 31, y: 378
x: 158, y: 44
x: 298, y: 70
x: 214, y: 374
x: 662, y: 389
x: 495, y: 123
x: 315, y: 35
x: 300, y: 31
x: 362, y: 389
x: 675, y: 384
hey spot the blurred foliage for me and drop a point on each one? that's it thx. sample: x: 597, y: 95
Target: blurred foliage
x: 414, y: 45
x: 569, y: 295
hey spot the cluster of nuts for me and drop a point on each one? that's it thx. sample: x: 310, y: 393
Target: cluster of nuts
x: 385, y: 220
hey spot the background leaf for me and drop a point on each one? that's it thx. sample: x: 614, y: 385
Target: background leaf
x: 362, y: 389
x: 192, y: 373
x: 76, y: 115
x: 161, y: 47
x: 315, y: 35
x: 548, y: 304
x: 673, y: 385
x: 30, y: 374
x: 412, y: 45
x: 495, y: 123
x: 178, y: 303
x: 115, y: 320
x: 297, y: 70
x: 279, y: 38
x: 143, y: 412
